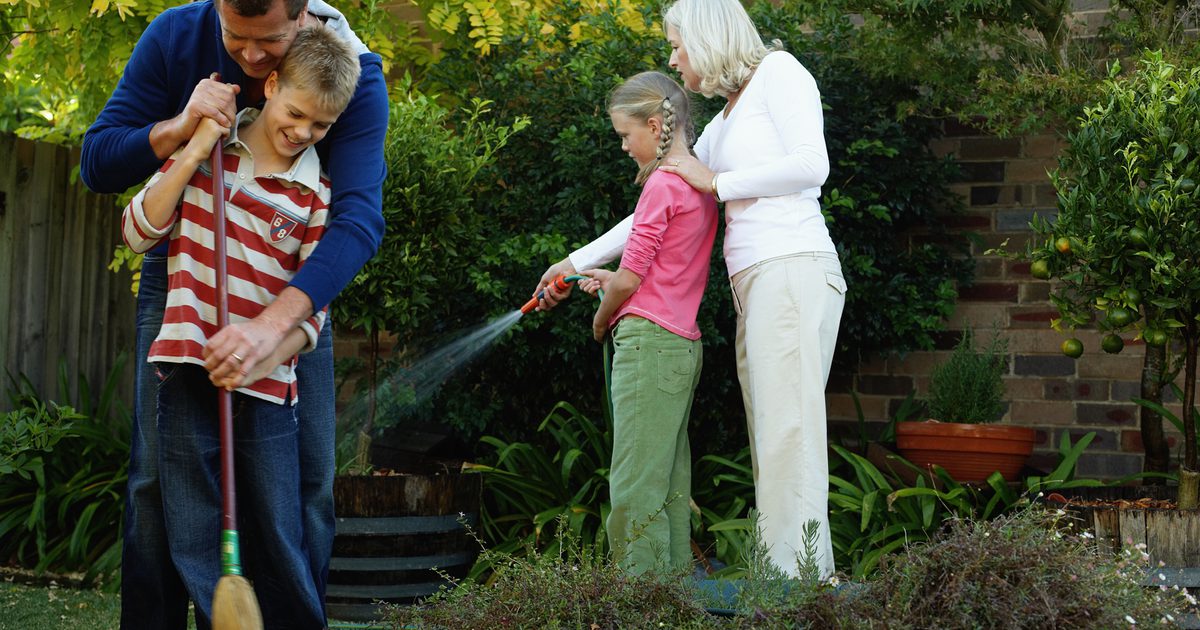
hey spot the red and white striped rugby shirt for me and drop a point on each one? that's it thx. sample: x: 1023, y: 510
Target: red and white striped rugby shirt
x: 273, y: 222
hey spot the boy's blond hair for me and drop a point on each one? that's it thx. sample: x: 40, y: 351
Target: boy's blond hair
x: 319, y: 62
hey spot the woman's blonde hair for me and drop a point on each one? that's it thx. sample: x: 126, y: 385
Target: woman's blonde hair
x: 650, y: 94
x: 722, y: 44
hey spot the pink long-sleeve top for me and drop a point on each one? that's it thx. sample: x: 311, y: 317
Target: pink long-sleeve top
x: 669, y: 249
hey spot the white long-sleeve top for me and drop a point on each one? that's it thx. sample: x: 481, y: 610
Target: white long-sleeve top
x: 771, y: 160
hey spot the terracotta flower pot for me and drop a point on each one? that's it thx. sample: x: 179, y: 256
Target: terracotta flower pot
x: 968, y: 452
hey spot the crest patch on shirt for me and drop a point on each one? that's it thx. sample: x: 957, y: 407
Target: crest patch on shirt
x: 281, y: 227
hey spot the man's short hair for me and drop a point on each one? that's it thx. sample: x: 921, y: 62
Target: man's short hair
x: 255, y: 8
x: 322, y: 63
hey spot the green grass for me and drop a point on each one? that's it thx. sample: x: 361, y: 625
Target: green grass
x: 50, y: 608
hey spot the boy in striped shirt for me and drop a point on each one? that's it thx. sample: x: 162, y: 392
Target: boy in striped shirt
x: 277, y: 204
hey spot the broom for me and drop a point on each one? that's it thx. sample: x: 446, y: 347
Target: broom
x: 234, y: 605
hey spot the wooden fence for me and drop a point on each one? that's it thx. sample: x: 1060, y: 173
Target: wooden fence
x: 60, y: 301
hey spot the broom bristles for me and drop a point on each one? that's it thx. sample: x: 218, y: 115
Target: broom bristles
x: 234, y: 605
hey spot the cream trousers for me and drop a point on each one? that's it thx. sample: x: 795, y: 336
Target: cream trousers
x: 788, y: 311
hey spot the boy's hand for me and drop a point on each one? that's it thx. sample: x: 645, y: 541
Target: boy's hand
x: 207, y: 133
x: 597, y: 280
x: 599, y: 327
x: 552, y: 297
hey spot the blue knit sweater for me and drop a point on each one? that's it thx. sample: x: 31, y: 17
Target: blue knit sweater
x: 181, y: 47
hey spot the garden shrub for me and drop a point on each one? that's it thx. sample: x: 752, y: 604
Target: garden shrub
x: 61, y: 503
x: 1017, y: 571
x: 574, y: 586
x: 565, y: 180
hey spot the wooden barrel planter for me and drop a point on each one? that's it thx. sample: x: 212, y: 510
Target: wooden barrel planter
x: 1118, y: 517
x: 395, y: 533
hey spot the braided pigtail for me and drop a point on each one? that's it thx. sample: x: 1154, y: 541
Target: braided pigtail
x: 650, y: 94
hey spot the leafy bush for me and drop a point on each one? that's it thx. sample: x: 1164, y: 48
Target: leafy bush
x: 968, y: 387
x: 61, y: 503
x: 1017, y: 571
x: 565, y: 180
x: 1127, y: 237
x: 531, y: 490
x: 434, y: 175
x: 574, y: 586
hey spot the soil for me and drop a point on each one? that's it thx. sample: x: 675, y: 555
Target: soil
x: 1144, y: 503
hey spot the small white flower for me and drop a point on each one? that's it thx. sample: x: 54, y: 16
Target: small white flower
x: 1131, y: 620
x: 1087, y: 534
x: 1060, y: 512
x: 1162, y: 577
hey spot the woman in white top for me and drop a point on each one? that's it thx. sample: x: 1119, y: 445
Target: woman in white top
x: 764, y: 157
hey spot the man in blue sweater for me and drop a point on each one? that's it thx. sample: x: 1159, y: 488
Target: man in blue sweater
x: 210, y: 59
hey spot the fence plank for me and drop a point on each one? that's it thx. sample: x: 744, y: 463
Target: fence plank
x: 63, y: 304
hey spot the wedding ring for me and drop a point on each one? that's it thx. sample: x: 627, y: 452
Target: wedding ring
x: 237, y: 357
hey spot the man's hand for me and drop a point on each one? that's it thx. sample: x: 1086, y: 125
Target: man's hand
x: 242, y: 351
x: 211, y: 99
x: 551, y: 297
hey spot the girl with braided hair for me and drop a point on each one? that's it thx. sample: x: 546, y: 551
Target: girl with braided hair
x: 650, y: 303
x: 764, y: 156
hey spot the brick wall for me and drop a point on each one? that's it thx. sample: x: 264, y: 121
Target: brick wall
x: 1005, y: 182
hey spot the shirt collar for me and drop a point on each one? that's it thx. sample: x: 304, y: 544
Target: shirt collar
x: 305, y: 169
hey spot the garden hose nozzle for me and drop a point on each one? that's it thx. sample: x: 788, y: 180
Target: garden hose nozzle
x: 561, y: 283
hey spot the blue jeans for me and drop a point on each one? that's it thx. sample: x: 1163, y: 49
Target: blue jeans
x: 152, y: 595
x: 268, y: 495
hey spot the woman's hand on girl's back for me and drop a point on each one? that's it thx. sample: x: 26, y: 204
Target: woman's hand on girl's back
x: 692, y: 170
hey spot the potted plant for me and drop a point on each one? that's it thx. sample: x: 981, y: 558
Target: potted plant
x: 965, y: 399
x: 402, y: 531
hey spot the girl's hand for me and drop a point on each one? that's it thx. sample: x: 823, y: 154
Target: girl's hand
x: 692, y: 170
x: 599, y: 328
x: 597, y: 280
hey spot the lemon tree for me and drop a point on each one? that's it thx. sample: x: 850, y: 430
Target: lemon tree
x: 1125, y: 247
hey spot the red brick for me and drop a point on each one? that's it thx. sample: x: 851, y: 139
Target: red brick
x: 1105, y: 414
x: 1131, y: 441
x: 989, y: 292
x: 1034, y: 292
x: 944, y: 146
x: 989, y: 267
x: 1043, y: 340
x: 1023, y: 388
x: 1030, y: 413
x: 1031, y: 171
x: 969, y: 221
x: 1096, y: 364
x: 1076, y: 389
x: 1047, y: 146
x: 989, y: 147
x: 977, y: 315
x: 915, y: 363
x: 1033, y: 316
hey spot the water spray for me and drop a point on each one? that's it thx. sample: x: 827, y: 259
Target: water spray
x: 561, y: 283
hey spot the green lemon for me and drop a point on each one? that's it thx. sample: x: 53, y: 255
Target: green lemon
x: 1119, y: 317
x: 1187, y: 186
x: 1133, y: 297
x: 1155, y: 337
x: 1072, y: 348
x: 1112, y: 343
x: 1040, y: 269
x: 1137, y: 236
